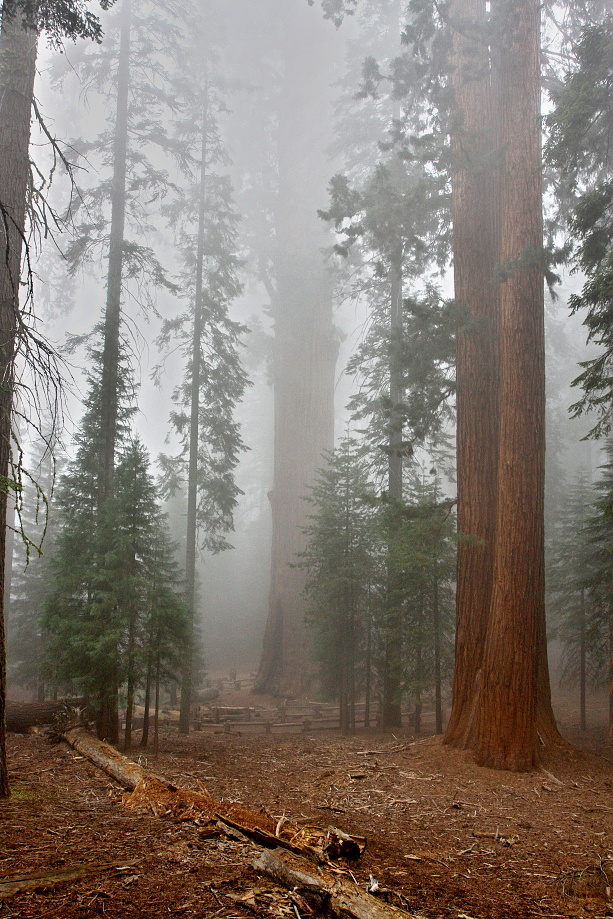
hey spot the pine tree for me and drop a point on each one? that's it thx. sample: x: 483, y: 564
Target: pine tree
x: 340, y: 561
x: 570, y: 563
x: 598, y: 580
x: 206, y: 336
x: 580, y: 148
x: 26, y: 639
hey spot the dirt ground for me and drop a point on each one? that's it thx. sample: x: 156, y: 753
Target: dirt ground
x: 445, y: 837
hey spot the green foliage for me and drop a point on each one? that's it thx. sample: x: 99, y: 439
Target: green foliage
x: 598, y: 575
x: 114, y: 588
x: 114, y: 597
x: 153, y: 60
x: 341, y: 560
x: 205, y: 223
x: 423, y: 354
x: 374, y: 565
x: 30, y: 576
x: 580, y: 147
x: 571, y: 570
x: 58, y: 18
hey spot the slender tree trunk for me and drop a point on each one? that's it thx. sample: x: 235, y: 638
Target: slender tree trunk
x: 108, y: 720
x: 368, y: 664
x: 18, y: 47
x: 194, y: 426
x: 131, y: 681
x: 305, y: 345
x: 610, y: 735
x: 436, y: 625
x: 156, y: 716
x: 582, y: 662
x: 145, y: 735
x: 392, y: 673
x: 475, y: 234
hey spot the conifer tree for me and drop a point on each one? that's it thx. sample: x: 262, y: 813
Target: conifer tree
x: 570, y: 574
x: 598, y: 580
x: 341, y: 561
x: 580, y: 148
x: 204, y: 333
x: 26, y: 639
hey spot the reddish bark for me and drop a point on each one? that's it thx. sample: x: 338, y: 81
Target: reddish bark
x: 474, y: 184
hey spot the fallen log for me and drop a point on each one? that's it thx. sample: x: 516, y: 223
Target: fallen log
x: 21, y: 716
x: 327, y: 893
x: 155, y: 794
x: 41, y: 880
x: 104, y: 756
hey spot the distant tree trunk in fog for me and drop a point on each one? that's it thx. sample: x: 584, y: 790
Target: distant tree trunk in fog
x: 392, y: 665
x: 501, y: 683
x: 474, y: 187
x: 147, y: 703
x: 108, y: 713
x: 18, y: 47
x: 192, y: 476
x: 305, y: 349
x: 582, y: 661
x: 610, y: 735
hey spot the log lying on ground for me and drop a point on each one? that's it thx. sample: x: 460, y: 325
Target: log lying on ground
x: 21, y: 716
x: 41, y: 880
x: 328, y: 894
x: 157, y: 795
x: 104, y: 756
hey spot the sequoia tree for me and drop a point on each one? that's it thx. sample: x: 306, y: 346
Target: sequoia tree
x: 501, y: 684
x: 305, y: 344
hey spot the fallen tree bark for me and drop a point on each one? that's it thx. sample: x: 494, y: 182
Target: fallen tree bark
x: 20, y: 716
x: 157, y: 795
x: 104, y: 756
x: 331, y: 894
x: 40, y: 880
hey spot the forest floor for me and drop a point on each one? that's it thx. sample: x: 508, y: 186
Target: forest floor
x: 445, y: 838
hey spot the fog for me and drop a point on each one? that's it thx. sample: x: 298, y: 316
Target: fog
x: 288, y: 111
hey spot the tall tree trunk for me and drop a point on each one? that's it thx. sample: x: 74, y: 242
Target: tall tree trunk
x: 108, y: 719
x: 393, y: 659
x: 18, y: 47
x: 507, y: 724
x: 475, y: 254
x: 305, y: 346
x: 192, y: 479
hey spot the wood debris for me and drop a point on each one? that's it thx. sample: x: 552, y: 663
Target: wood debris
x: 328, y: 894
x: 41, y: 880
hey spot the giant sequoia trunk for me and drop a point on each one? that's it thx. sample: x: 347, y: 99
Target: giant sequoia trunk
x: 507, y: 727
x: 501, y: 684
x: 18, y: 47
x: 474, y: 238
x: 305, y: 349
